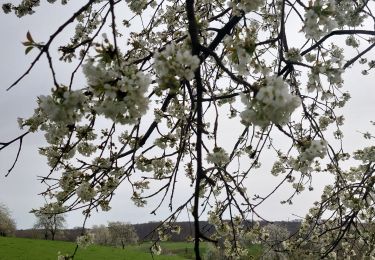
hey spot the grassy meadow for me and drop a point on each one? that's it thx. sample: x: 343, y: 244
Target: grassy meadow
x: 32, y: 249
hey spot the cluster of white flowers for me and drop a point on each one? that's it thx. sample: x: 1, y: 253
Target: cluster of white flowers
x: 138, y: 200
x: 124, y: 89
x: 61, y: 256
x: 219, y: 156
x: 225, y: 232
x: 54, y: 155
x: 156, y: 249
x: 319, y: 19
x: 331, y: 68
x: 240, y: 49
x: 273, y: 103
x: 98, y: 73
x: 347, y: 13
x: 246, y: 5
x: 317, y: 148
x: 352, y: 41
x: 293, y: 55
x: 168, y: 140
x: 62, y: 106
x: 137, y: 5
x: 277, y: 168
x: 366, y: 155
x: 143, y: 164
x: 174, y: 63
x: 53, y: 132
x: 86, y: 149
x: 26, y: 7
x: 162, y: 167
x: 334, y: 65
x: 109, y: 186
x: 308, y: 152
x: 314, y: 82
x: 52, y: 208
x: 85, y: 192
x: 85, y: 240
x: 67, y: 181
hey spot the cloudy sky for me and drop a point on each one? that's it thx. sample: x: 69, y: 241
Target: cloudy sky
x: 19, y: 191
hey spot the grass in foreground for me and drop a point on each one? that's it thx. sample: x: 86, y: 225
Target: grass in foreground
x: 32, y: 249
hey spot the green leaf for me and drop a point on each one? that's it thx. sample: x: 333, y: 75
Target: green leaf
x: 28, y: 49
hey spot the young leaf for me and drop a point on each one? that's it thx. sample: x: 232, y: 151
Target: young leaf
x: 27, y: 43
x: 28, y: 49
x: 28, y: 36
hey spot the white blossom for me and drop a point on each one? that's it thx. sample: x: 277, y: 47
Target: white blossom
x: 174, y: 63
x: 246, y: 5
x: 317, y: 148
x: 85, y: 192
x: 124, y: 89
x: 63, y: 106
x: 85, y: 240
x: 219, y: 156
x: 272, y: 104
x: 319, y: 19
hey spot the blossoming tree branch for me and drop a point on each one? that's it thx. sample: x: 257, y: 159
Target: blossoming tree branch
x: 165, y: 76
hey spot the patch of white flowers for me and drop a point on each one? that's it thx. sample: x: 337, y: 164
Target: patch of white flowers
x: 352, y: 41
x: 62, y: 106
x: 137, y: 5
x: 245, y: 5
x: 308, y: 153
x: 109, y: 186
x: 174, y: 63
x: 85, y: 192
x: 98, y: 73
x: 156, y: 249
x: 317, y: 148
x: 319, y: 19
x: 123, y: 88
x: 219, y: 156
x: 61, y: 256
x: 85, y: 240
x: 240, y: 49
x: 294, y: 55
x: 67, y: 181
x: 272, y: 104
x: 347, y: 13
x: 366, y: 155
x: 331, y: 68
x: 26, y: 7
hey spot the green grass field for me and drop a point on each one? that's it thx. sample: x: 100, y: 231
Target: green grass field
x: 30, y: 249
x: 33, y: 249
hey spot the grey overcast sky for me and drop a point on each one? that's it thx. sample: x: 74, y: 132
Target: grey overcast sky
x: 19, y: 191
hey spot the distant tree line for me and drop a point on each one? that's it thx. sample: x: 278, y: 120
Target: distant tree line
x: 146, y: 232
x: 114, y: 234
x: 143, y: 232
